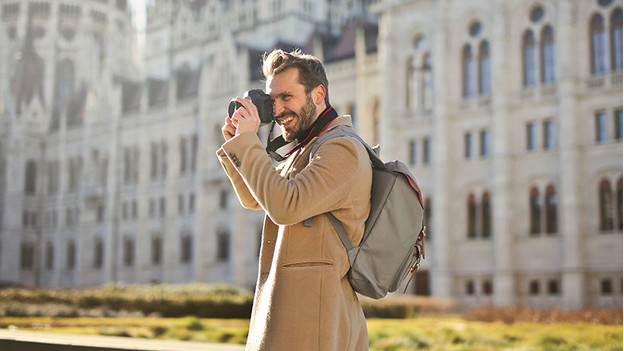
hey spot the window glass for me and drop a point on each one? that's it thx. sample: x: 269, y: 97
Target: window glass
x: 537, y: 14
x: 468, y: 145
x: 601, y: 126
x: 484, y: 68
x: 468, y: 72
x: 548, y: 55
x: 531, y: 136
x: 616, y: 40
x: 529, y: 59
x: 598, y: 45
x: 485, y: 143
x: 618, y: 124
x: 549, y: 135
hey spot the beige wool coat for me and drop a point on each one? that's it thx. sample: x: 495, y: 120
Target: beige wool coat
x: 303, y: 300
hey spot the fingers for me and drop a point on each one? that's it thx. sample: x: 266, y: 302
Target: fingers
x: 245, y: 118
x: 250, y: 110
x: 228, y: 130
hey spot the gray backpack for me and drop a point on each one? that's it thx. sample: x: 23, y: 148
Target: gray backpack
x: 393, y: 242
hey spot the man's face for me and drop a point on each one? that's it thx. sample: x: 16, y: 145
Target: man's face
x: 294, y: 110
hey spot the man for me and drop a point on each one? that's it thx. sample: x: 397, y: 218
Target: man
x: 303, y: 299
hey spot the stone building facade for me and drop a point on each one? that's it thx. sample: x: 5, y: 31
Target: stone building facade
x: 509, y: 113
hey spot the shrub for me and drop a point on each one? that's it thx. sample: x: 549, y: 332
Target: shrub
x: 200, y: 300
x: 194, y: 324
x: 515, y: 314
x: 404, y: 306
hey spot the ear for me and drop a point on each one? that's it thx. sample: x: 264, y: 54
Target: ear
x: 318, y: 94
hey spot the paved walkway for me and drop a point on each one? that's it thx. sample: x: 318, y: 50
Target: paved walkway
x: 18, y: 340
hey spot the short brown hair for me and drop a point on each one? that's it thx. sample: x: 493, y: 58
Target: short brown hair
x: 311, y: 70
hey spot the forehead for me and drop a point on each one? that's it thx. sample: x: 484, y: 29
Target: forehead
x: 287, y: 81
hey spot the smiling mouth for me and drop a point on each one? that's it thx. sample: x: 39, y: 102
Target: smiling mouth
x: 285, y: 120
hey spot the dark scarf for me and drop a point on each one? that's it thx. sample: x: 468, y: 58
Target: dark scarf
x: 325, y: 118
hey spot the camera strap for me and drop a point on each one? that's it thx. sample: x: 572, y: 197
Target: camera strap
x: 326, y: 117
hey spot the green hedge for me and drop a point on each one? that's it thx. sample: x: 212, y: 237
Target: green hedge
x: 200, y: 300
x: 204, y: 301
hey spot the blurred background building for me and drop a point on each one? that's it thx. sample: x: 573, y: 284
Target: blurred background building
x: 508, y: 112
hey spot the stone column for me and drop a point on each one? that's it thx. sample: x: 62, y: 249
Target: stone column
x: 501, y: 188
x: 570, y: 138
x: 441, y: 275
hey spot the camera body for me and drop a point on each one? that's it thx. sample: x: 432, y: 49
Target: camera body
x: 263, y: 103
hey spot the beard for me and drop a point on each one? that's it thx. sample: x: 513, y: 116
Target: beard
x: 303, y: 121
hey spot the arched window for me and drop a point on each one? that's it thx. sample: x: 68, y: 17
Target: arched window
x: 536, y: 211
x: 223, y: 199
x: 49, y: 256
x: 551, y: 210
x: 534, y: 287
x: 470, y: 289
x: 98, y: 253
x: 71, y: 255
x: 468, y: 74
x: 30, y: 185
x: 27, y: 257
x: 548, y: 55
x: 484, y: 68
x: 486, y: 216
x: 128, y: 252
x: 486, y: 287
x: 223, y: 246
x: 156, y: 249
x: 186, y: 248
x: 472, y: 217
x: 598, y: 45
x: 606, y: 209
x: 529, y: 54
x: 616, y: 40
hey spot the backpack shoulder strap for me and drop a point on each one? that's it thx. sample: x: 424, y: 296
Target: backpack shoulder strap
x: 343, y: 131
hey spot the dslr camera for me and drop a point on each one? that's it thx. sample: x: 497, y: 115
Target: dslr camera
x: 263, y: 103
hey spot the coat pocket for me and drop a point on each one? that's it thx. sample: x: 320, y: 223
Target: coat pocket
x: 308, y: 264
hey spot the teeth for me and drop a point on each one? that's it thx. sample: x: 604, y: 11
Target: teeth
x: 286, y: 120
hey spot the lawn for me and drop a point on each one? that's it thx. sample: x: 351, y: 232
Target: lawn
x: 220, y: 314
x: 420, y: 333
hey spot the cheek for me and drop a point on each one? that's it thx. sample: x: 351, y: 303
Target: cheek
x: 290, y: 107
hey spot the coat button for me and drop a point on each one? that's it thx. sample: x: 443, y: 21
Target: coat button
x: 235, y: 159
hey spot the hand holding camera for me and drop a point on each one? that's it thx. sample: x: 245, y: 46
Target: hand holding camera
x: 248, y: 113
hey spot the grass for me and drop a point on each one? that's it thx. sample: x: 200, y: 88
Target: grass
x: 219, y: 313
x: 455, y: 333
x: 420, y: 333
x: 186, y: 328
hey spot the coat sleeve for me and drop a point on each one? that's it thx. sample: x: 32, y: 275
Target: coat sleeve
x: 242, y: 192
x: 323, y: 185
